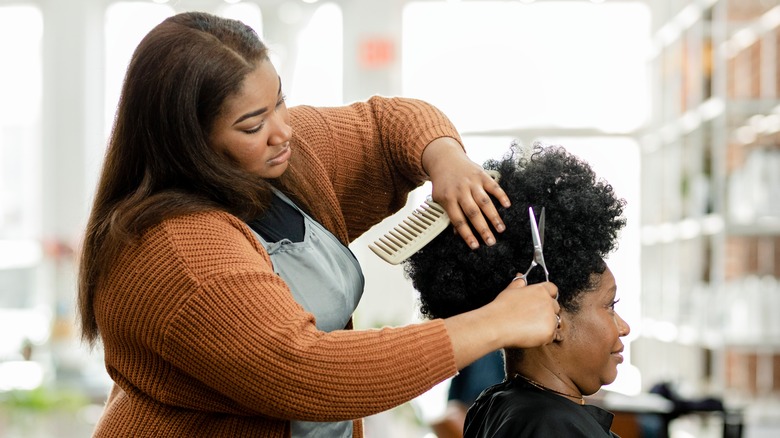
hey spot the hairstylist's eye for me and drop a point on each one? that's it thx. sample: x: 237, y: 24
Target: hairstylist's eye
x: 255, y: 129
x: 280, y: 102
x: 612, y: 306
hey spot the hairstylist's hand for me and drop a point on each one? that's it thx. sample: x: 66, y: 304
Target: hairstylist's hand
x: 462, y: 187
x: 529, y: 314
x: 520, y: 317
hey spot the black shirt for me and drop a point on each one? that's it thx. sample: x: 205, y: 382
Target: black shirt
x: 514, y: 408
x: 280, y: 221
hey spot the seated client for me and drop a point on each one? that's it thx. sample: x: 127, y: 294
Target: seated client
x: 542, y: 394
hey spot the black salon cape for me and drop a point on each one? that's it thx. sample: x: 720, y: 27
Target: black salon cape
x: 515, y: 409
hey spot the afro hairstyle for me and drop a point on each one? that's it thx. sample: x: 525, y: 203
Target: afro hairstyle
x: 583, y: 220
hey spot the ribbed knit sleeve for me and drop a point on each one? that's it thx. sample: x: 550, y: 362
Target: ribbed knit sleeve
x: 202, y: 323
x: 371, y: 153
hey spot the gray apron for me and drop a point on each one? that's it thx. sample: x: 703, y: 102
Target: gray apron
x: 326, y: 280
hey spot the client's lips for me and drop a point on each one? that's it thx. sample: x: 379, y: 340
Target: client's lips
x: 618, y: 355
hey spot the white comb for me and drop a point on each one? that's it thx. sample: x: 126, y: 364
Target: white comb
x: 414, y: 232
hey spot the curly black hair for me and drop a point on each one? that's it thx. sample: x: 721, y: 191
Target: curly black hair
x: 583, y: 220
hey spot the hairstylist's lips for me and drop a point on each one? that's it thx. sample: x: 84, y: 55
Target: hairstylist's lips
x: 282, y: 156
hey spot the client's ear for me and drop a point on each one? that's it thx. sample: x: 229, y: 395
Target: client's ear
x: 559, y: 330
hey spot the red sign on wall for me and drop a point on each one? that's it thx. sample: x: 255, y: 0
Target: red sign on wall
x: 376, y: 53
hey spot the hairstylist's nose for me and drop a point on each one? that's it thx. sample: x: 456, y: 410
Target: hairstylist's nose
x: 281, y: 132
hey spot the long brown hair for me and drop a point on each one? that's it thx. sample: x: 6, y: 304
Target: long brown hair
x: 158, y: 163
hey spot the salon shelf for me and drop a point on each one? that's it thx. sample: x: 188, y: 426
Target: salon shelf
x: 767, y: 345
x: 684, y: 229
x: 708, y: 225
x: 673, y: 30
x: 706, y: 240
x: 715, y: 341
x: 683, y: 124
x: 764, y: 226
x: 696, y: 119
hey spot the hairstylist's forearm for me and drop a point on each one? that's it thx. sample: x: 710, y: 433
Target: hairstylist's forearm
x: 438, y: 154
x: 473, y: 335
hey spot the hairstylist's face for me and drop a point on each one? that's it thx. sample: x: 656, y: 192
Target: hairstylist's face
x: 591, y: 337
x: 254, y: 126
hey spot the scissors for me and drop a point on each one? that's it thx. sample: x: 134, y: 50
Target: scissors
x: 537, y: 235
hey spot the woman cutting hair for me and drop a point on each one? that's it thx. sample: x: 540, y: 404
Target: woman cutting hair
x: 543, y: 393
x: 215, y: 269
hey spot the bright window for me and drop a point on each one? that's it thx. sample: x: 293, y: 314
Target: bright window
x: 248, y: 13
x: 317, y: 70
x: 21, y: 86
x: 21, y: 102
x: 125, y: 26
x: 500, y: 65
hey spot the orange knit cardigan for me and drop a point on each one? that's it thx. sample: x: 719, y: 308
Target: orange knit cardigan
x: 202, y: 339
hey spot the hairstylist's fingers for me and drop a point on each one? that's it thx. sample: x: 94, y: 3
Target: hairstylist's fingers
x: 482, y: 197
x: 476, y: 206
x: 464, y: 188
x: 552, y: 291
x: 490, y: 187
x: 461, y: 226
x: 532, y: 316
x: 473, y: 209
x: 551, y: 288
x: 465, y: 213
x: 493, y: 187
x: 522, y: 278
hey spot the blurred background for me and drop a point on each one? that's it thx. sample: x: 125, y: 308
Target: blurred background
x: 674, y: 102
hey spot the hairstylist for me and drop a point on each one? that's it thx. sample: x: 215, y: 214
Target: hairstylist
x: 214, y: 268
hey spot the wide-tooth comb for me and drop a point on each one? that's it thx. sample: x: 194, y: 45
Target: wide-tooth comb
x: 414, y: 232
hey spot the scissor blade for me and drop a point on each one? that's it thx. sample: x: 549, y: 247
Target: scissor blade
x: 541, y: 228
x: 534, y: 229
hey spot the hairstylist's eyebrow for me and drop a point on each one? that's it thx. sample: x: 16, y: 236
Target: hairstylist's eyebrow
x: 259, y: 111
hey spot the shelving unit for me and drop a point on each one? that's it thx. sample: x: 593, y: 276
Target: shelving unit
x: 711, y: 201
